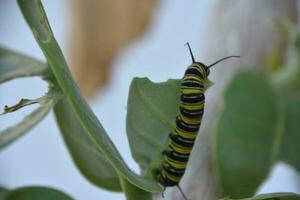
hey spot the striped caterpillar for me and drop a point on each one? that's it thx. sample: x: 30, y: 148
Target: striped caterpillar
x: 188, y: 121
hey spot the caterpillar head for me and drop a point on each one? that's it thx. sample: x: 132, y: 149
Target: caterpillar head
x: 206, y: 67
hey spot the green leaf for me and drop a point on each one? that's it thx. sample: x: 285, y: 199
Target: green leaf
x: 207, y: 84
x: 273, y: 196
x: 134, y: 193
x: 36, y: 193
x: 152, y: 108
x: 3, y: 192
x: 90, y: 161
x: 290, y: 145
x: 14, y: 132
x: 14, y: 65
x: 36, y: 18
x: 248, y: 135
x: 277, y: 196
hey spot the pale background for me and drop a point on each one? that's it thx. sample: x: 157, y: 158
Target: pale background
x: 40, y: 157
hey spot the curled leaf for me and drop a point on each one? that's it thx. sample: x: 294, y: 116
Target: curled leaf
x: 11, y: 134
x: 26, y: 102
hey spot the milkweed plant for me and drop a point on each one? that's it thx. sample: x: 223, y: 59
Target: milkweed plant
x: 257, y: 125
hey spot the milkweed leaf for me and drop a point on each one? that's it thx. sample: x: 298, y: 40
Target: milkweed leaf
x: 15, y: 65
x: 152, y: 110
x: 272, y: 196
x: 289, y: 151
x: 35, y: 193
x: 11, y: 134
x: 90, y: 161
x: 248, y: 135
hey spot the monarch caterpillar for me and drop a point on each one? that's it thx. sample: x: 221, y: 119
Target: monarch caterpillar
x: 188, y: 122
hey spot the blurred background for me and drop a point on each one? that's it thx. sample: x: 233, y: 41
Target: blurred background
x: 107, y: 43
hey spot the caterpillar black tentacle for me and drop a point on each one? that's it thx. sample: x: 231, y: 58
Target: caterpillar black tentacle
x: 188, y: 121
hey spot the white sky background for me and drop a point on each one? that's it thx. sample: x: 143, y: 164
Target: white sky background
x: 40, y: 157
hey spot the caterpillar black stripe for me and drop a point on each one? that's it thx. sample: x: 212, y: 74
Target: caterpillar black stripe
x: 188, y: 122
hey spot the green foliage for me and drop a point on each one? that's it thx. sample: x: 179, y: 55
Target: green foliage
x: 291, y: 140
x: 277, y: 196
x: 10, y: 134
x: 132, y: 192
x: 248, y: 135
x: 152, y: 108
x: 288, y: 91
x: 273, y: 196
x: 257, y: 126
x: 90, y: 161
x: 36, y: 18
x: 15, y: 65
x: 33, y: 193
x: 3, y: 193
x: 244, y: 161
